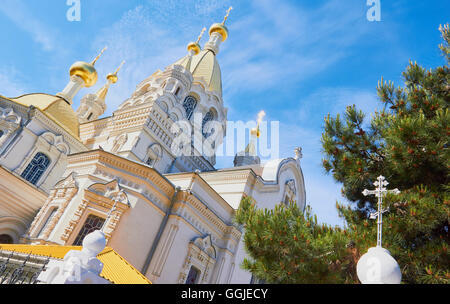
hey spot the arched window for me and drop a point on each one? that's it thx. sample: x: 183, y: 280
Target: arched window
x: 193, y: 275
x: 208, y: 117
x: 1, y: 133
x: 47, y: 221
x: 36, y: 168
x: 6, y: 239
x: 91, y: 224
x: 189, y: 105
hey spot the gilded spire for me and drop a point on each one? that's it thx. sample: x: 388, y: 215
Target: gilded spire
x: 101, y: 53
x: 220, y: 27
x: 256, y: 132
x: 227, y: 15
x: 112, y: 78
x: 194, y: 47
x: 201, y: 34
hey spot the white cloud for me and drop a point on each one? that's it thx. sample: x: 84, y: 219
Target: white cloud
x: 271, y: 43
x: 23, y: 18
x: 10, y: 83
x: 283, y: 44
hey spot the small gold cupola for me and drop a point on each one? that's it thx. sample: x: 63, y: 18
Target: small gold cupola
x: 92, y: 106
x: 249, y: 156
x: 218, y: 33
x: 194, y: 47
x: 111, y: 79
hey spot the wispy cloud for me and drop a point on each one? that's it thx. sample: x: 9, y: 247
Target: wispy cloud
x: 11, y: 83
x: 23, y: 18
x: 148, y: 39
x: 280, y: 43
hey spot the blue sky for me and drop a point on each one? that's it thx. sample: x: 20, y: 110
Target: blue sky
x: 297, y: 60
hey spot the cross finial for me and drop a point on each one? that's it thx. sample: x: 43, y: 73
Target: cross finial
x: 379, y: 191
x: 101, y: 53
x: 201, y: 35
x: 226, y: 16
x: 256, y: 131
x: 120, y: 66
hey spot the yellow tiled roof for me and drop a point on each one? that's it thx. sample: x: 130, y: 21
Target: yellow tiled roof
x: 115, y: 268
x: 54, y: 107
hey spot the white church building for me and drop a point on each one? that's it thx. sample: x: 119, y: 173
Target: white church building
x: 66, y: 172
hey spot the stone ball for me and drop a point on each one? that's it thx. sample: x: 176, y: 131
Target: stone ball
x: 94, y: 243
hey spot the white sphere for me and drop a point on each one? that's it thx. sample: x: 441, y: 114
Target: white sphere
x: 377, y: 266
x: 94, y: 243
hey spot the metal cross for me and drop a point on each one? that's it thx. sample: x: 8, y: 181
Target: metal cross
x: 381, y: 190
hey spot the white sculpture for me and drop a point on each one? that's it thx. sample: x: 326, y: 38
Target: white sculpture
x: 78, y: 267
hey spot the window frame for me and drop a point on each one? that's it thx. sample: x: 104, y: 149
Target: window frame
x: 29, y: 175
x: 189, y: 98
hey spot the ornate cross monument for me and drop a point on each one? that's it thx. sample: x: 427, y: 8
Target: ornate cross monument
x: 381, y: 190
x: 377, y: 266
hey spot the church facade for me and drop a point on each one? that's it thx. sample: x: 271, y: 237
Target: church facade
x: 66, y: 172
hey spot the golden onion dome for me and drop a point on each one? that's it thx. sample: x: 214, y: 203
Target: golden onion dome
x: 85, y: 71
x: 219, y: 28
x: 194, y: 46
x: 112, y: 77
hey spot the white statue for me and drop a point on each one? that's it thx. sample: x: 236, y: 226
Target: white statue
x: 78, y: 266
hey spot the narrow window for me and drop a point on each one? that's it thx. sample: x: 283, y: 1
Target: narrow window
x: 189, y: 105
x: 91, y: 224
x: 36, y: 168
x: 90, y: 116
x: 1, y: 133
x: 208, y: 117
x: 177, y: 91
x: 47, y: 221
x: 193, y: 275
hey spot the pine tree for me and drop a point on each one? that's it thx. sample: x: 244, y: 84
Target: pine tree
x: 287, y: 245
x: 407, y: 142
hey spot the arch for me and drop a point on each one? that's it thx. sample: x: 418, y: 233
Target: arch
x: 189, y: 105
x: 163, y: 106
x: 154, y: 154
x: 6, y: 239
x: 209, y: 116
x: 36, y: 168
x: 12, y: 226
x: 172, y: 116
x: 10, y: 116
x: 57, y: 141
x: 119, y: 142
x: 273, y: 169
x: 142, y: 90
